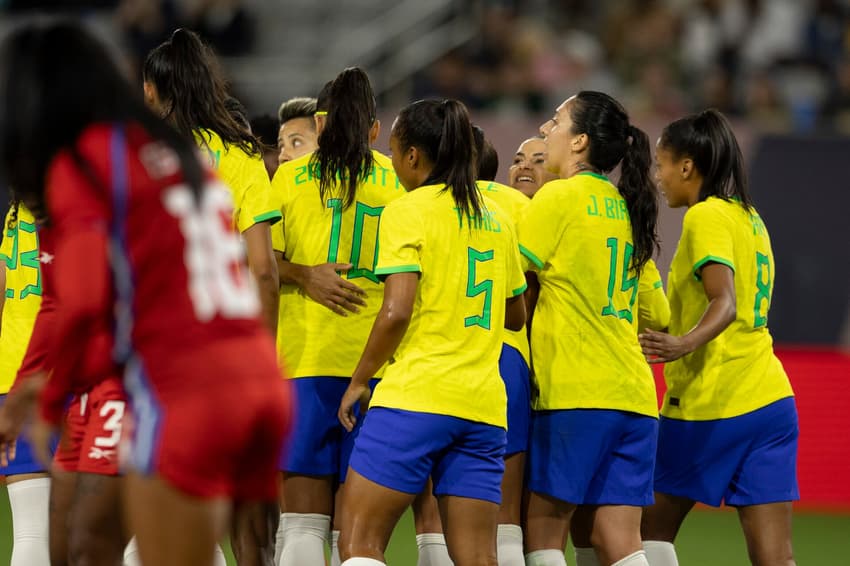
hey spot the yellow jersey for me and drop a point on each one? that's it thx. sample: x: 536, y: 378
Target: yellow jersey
x: 313, y: 340
x: 448, y: 361
x: 653, y: 306
x: 246, y: 177
x: 737, y: 372
x: 577, y: 235
x: 514, y: 204
x: 20, y: 255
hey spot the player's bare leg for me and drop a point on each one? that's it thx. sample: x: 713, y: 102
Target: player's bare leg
x: 172, y: 528
x: 370, y: 512
x: 546, y: 524
x: 470, y: 526
x: 309, y: 504
x: 509, y: 536
x: 615, y: 532
x: 429, y: 529
x: 767, y: 529
x: 62, y: 489
x: 97, y: 534
x: 253, y: 531
x: 659, y: 526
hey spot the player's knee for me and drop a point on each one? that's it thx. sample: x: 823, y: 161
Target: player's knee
x: 90, y: 546
x: 770, y: 553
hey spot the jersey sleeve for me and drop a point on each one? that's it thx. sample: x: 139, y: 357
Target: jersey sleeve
x: 707, y: 237
x: 400, y: 240
x: 254, y: 194
x: 541, y: 227
x: 81, y: 277
x: 514, y: 272
x: 278, y: 198
x: 653, y: 306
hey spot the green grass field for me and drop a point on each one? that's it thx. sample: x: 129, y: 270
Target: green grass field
x: 708, y: 538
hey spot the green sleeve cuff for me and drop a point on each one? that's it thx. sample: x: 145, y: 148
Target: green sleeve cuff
x: 272, y: 217
x: 533, y: 258
x: 519, y: 290
x: 658, y: 284
x: 398, y: 269
x: 711, y: 259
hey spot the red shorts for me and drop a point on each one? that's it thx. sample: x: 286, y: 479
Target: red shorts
x: 92, y: 432
x: 211, y: 422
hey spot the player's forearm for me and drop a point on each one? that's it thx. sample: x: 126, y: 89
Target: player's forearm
x: 387, y: 333
x: 267, y: 286
x: 717, y: 317
x: 291, y: 273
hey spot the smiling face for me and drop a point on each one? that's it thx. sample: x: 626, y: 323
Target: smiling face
x: 297, y: 137
x: 528, y: 173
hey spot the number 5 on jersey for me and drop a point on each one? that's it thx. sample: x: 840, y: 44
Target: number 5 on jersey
x: 474, y: 288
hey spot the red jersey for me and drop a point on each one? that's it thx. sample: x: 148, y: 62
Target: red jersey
x: 135, y: 246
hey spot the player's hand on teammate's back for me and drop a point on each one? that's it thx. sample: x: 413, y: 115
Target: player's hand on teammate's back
x: 353, y: 395
x: 660, y: 347
x: 325, y: 286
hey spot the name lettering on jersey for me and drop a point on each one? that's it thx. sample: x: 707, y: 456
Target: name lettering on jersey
x: 491, y: 187
x: 306, y: 173
x: 759, y: 228
x: 486, y: 221
x: 612, y: 208
x: 215, y: 158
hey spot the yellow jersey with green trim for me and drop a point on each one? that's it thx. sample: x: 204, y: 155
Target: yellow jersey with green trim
x: 448, y: 360
x: 513, y: 203
x: 20, y: 254
x: 653, y: 306
x: 737, y: 372
x: 246, y: 177
x: 313, y: 340
x: 577, y: 235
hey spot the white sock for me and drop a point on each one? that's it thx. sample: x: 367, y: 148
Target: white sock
x: 550, y: 557
x: 660, y: 553
x: 278, y: 541
x: 635, y: 559
x: 586, y: 557
x: 132, y: 558
x: 131, y: 554
x: 363, y: 562
x: 218, y: 558
x: 30, y: 500
x: 304, y: 539
x: 509, y: 545
x: 433, y: 550
x: 335, y: 560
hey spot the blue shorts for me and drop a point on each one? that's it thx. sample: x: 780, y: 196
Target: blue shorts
x: 400, y: 449
x: 25, y: 461
x: 514, y: 373
x: 592, y: 456
x: 318, y: 445
x: 746, y: 460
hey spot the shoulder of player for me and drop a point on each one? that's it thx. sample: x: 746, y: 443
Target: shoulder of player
x: 713, y: 210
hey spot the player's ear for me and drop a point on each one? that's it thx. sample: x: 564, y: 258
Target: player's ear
x: 686, y: 168
x: 374, y: 131
x: 580, y: 143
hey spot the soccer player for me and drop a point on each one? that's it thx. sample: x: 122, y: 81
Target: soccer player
x: 595, y: 422
x: 331, y: 202
x: 183, y: 84
x: 528, y: 171
x: 452, y: 281
x: 26, y: 478
x: 728, y: 430
x: 184, y: 315
x: 297, y: 135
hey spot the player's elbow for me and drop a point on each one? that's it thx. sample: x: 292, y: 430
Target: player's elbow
x: 515, y: 313
x: 265, y: 272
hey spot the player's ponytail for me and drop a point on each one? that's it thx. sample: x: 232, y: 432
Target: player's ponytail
x: 344, y: 156
x: 707, y: 138
x: 188, y: 80
x: 614, y: 141
x: 442, y: 131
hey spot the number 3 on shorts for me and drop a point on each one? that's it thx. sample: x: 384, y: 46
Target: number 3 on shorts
x: 113, y: 412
